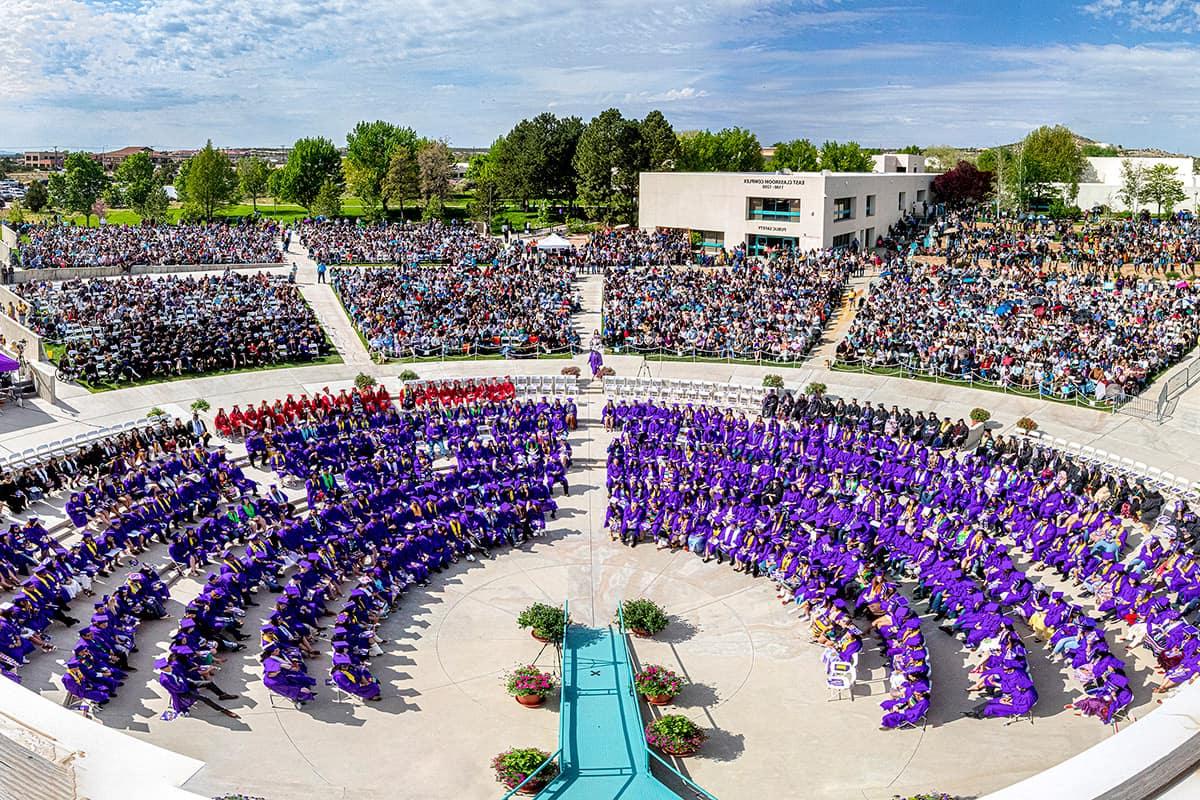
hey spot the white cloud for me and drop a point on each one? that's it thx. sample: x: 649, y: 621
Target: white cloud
x: 175, y: 72
x: 1153, y: 16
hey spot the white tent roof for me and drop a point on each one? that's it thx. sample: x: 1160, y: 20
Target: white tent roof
x: 553, y: 242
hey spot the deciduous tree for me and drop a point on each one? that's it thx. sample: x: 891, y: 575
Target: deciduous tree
x: 369, y: 150
x: 481, y: 174
x: 609, y: 159
x: 845, y: 157
x: 798, y: 155
x: 253, y: 174
x: 727, y: 150
x: 1133, y: 185
x: 80, y: 184
x: 402, y: 180
x: 964, y: 185
x: 36, y: 196
x: 206, y: 182
x: 1164, y: 188
x: 433, y: 166
x: 311, y: 164
x: 1050, y: 155
x: 136, y: 182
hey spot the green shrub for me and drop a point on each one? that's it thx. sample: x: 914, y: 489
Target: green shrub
x: 156, y: 412
x: 1026, y: 424
x: 980, y: 415
x: 200, y: 405
x: 772, y: 381
x: 644, y: 615
x: 362, y: 380
x: 816, y: 388
x: 545, y: 621
x: 517, y: 763
x: 675, y: 732
x: 408, y: 375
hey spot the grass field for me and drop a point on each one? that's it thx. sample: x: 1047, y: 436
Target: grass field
x: 455, y: 208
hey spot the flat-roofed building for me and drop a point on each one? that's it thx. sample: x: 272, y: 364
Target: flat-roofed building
x: 766, y: 211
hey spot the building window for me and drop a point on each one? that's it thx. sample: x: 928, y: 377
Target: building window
x: 842, y: 240
x: 711, y: 240
x: 843, y: 208
x: 869, y: 238
x: 870, y: 205
x: 920, y: 195
x: 773, y: 208
x: 900, y: 204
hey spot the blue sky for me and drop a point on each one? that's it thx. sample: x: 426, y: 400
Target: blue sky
x: 172, y: 73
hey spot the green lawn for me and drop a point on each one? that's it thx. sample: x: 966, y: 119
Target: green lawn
x: 509, y: 211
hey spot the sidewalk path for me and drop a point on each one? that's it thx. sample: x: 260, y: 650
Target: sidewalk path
x: 327, y: 307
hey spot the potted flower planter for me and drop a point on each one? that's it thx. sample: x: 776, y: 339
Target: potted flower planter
x: 513, y: 765
x: 679, y: 753
x: 529, y: 686
x: 533, y: 787
x: 545, y: 622
x: 675, y: 735
x: 658, y: 685
x: 644, y: 618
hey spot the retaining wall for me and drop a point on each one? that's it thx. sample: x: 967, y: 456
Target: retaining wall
x: 71, y: 273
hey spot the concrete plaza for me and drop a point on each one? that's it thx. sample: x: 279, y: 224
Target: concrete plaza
x: 756, y: 684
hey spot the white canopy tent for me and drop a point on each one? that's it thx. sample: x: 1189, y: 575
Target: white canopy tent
x: 553, y: 242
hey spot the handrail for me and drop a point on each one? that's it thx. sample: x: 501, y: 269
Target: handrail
x: 561, y: 713
x: 562, y: 674
x: 690, y: 783
x: 629, y: 663
x: 646, y: 745
x: 531, y: 775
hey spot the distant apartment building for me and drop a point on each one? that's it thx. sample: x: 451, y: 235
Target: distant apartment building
x: 112, y: 159
x: 44, y: 159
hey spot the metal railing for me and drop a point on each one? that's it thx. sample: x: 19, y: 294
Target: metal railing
x: 562, y: 716
x: 471, y: 351
x: 729, y: 355
x: 646, y: 751
x: 971, y: 380
x: 1159, y: 406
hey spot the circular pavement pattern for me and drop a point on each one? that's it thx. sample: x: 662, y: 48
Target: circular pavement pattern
x: 756, y: 683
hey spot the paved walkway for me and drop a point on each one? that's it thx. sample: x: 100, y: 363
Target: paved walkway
x: 327, y: 307
x: 591, y: 292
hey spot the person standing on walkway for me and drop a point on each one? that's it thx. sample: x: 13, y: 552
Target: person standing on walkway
x: 320, y: 272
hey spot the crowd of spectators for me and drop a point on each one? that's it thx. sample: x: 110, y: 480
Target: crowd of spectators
x: 514, y: 305
x: 131, y: 245
x: 346, y: 242
x: 1056, y: 333
x: 626, y: 247
x: 772, y: 309
x: 135, y: 328
x: 1108, y: 247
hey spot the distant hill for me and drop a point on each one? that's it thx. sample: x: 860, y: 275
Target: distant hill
x: 1083, y: 141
